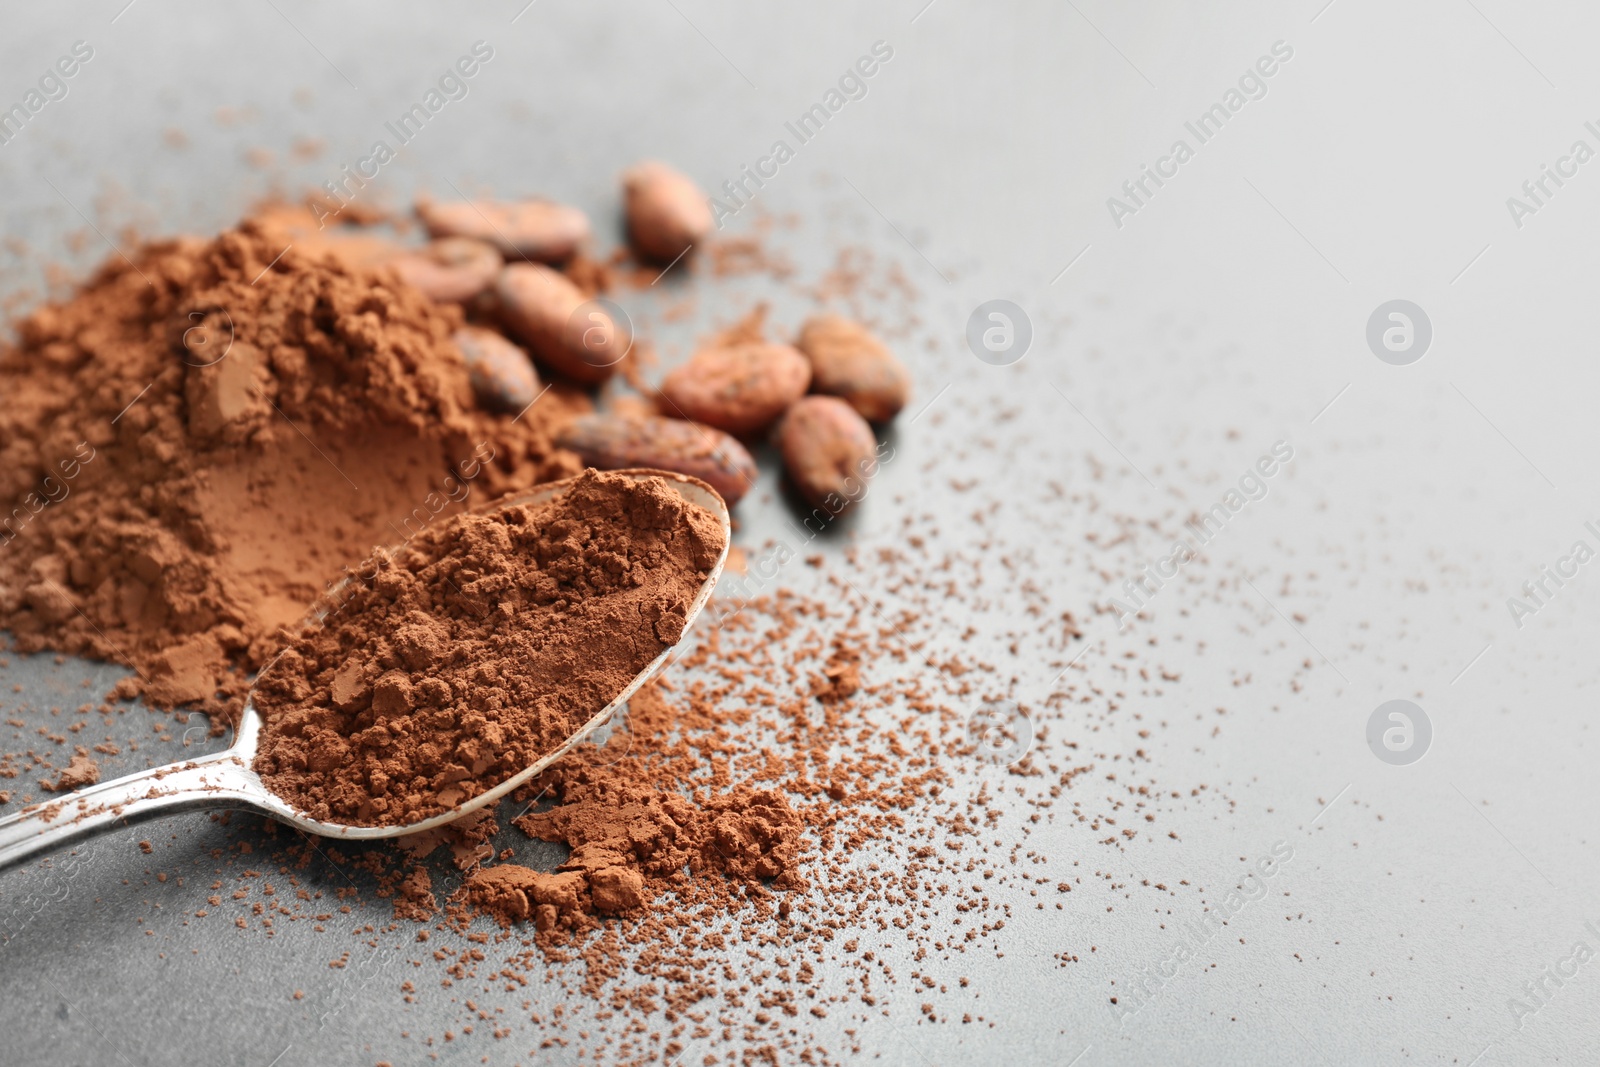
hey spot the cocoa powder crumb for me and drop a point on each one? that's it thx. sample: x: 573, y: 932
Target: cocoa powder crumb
x: 81, y: 771
x: 415, y: 897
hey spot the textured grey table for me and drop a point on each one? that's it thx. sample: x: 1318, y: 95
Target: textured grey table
x: 1175, y: 338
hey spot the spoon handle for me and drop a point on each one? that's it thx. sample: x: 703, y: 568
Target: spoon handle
x: 221, y: 780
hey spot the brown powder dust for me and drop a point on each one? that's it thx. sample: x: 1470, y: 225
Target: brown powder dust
x: 81, y: 771
x: 635, y: 835
x: 478, y: 647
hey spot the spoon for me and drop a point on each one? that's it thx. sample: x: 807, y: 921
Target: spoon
x: 227, y: 779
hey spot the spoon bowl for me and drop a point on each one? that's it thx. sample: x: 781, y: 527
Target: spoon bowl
x: 228, y: 779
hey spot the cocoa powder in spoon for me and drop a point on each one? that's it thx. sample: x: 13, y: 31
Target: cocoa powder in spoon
x: 478, y: 647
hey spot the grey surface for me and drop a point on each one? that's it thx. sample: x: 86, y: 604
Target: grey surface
x: 1228, y: 313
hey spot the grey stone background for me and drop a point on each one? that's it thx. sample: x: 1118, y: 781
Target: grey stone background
x: 1227, y: 313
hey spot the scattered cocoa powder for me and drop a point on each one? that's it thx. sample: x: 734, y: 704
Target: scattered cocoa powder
x: 479, y: 647
x: 414, y: 900
x: 624, y: 828
x: 634, y: 833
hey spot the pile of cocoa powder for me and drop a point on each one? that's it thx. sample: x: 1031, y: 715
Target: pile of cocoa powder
x: 479, y: 647
x: 196, y: 442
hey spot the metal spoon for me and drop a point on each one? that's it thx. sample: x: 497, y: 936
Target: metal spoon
x: 227, y: 780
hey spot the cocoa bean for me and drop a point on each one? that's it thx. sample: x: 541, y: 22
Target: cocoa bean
x: 566, y: 331
x: 741, y: 388
x: 666, y: 212
x: 541, y: 230
x: 848, y: 362
x: 451, y: 270
x: 503, y: 378
x: 616, y: 442
x: 828, y: 450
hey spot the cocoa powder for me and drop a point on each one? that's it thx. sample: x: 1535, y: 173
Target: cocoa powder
x: 478, y: 647
x: 638, y: 829
x: 803, y: 743
x: 195, y: 442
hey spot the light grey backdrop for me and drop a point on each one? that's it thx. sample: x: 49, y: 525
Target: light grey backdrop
x: 1228, y: 312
